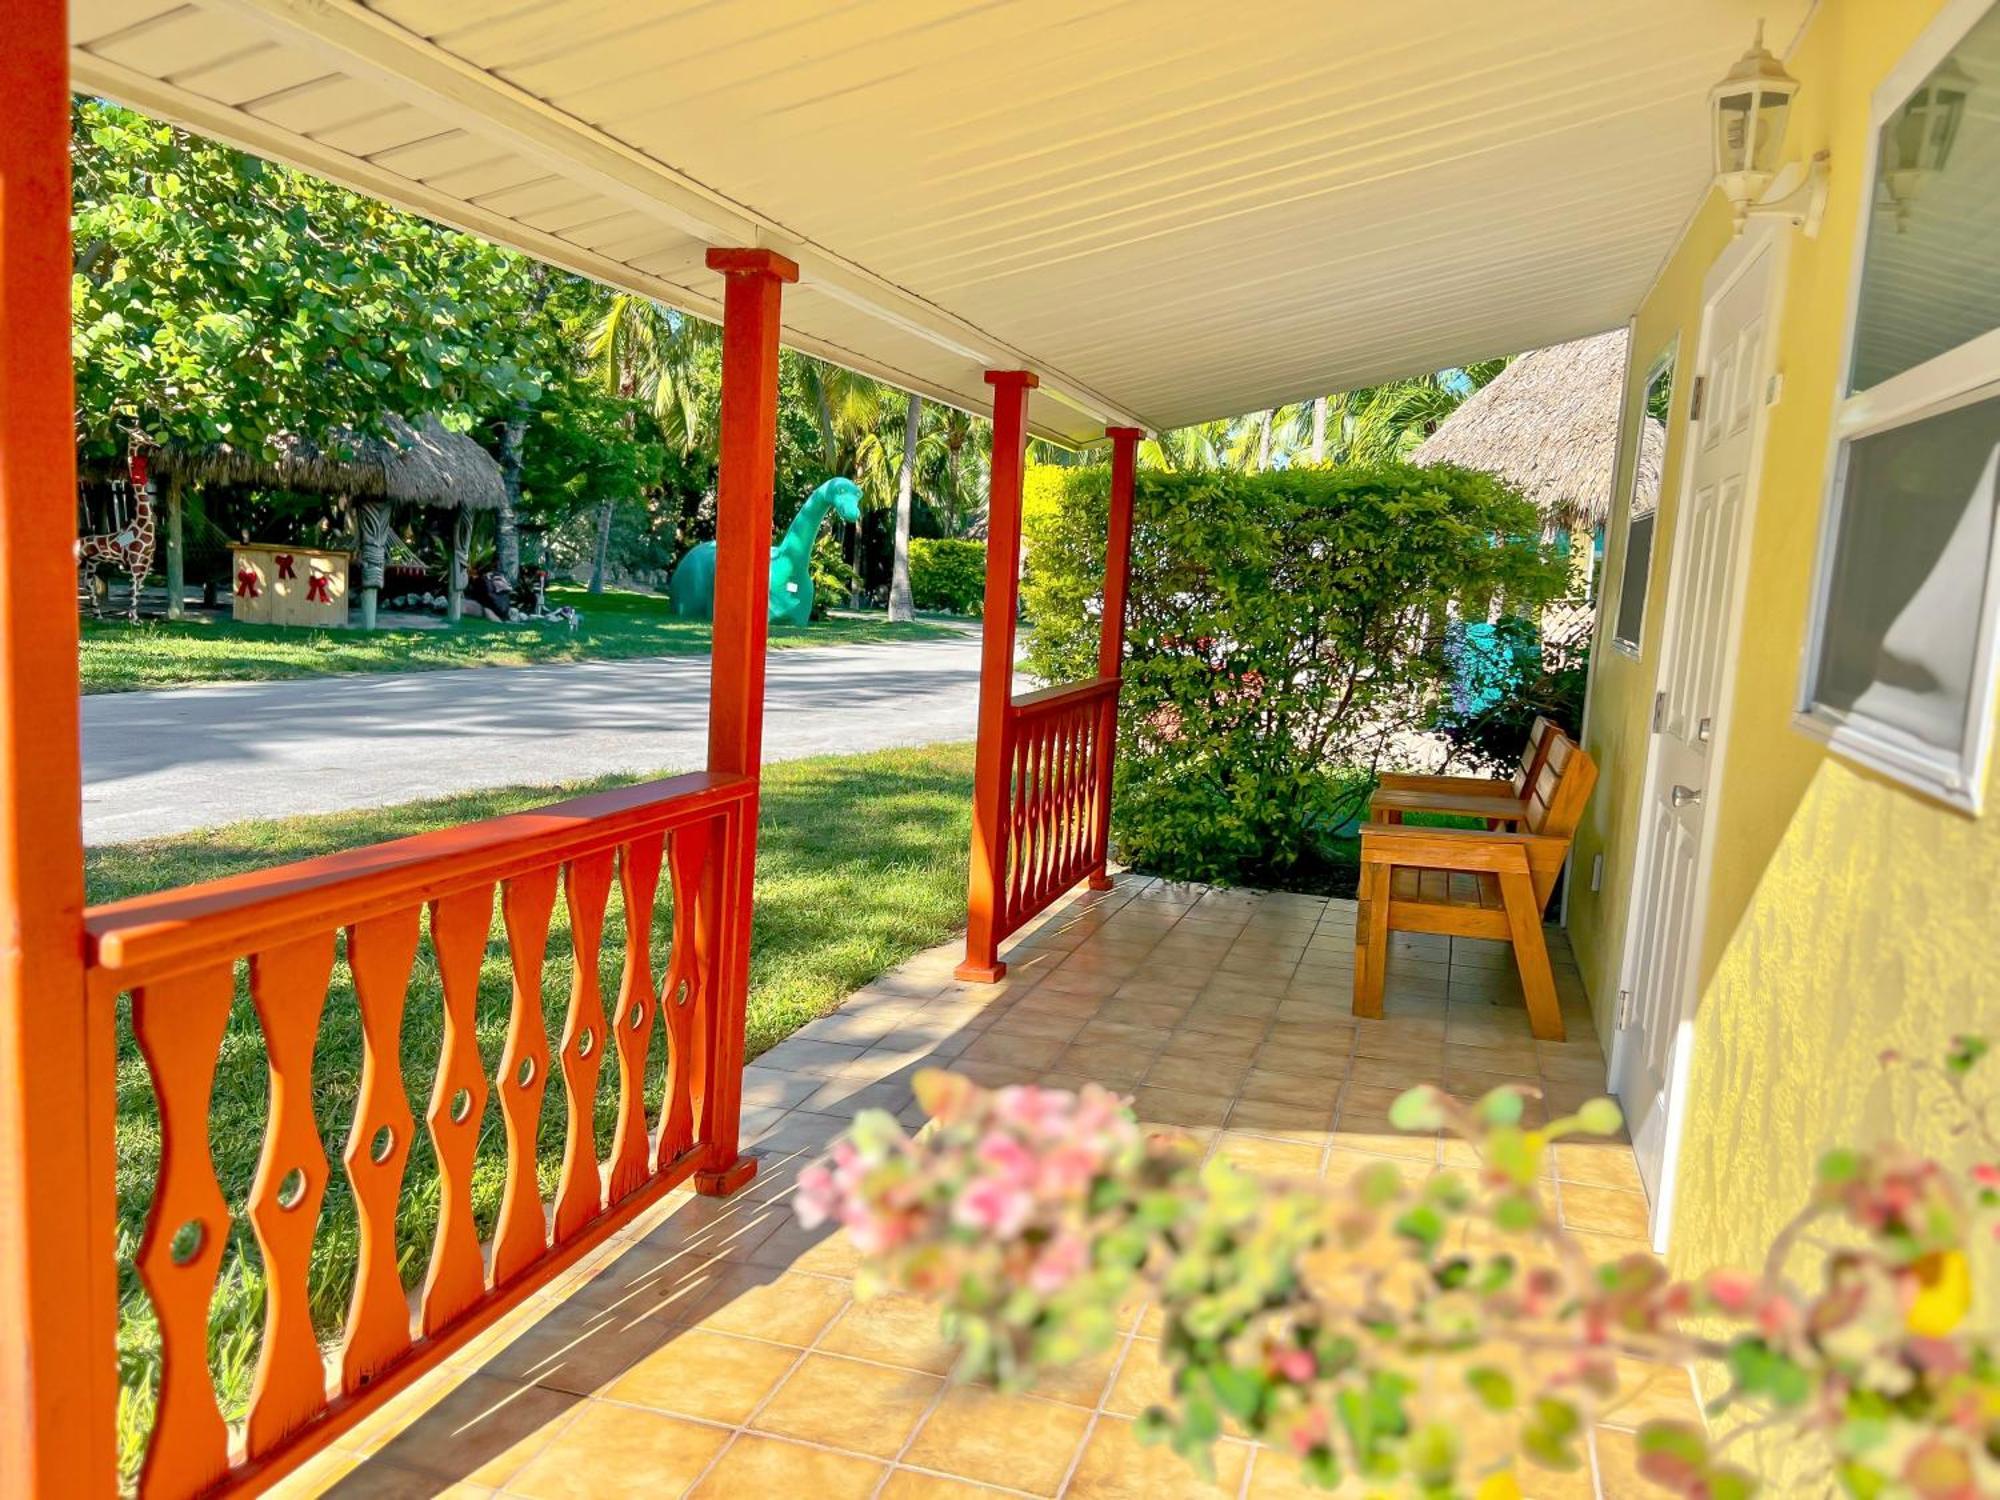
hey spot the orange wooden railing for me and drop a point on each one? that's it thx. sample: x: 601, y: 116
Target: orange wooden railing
x: 176, y: 955
x: 1058, y: 747
x: 1041, y: 781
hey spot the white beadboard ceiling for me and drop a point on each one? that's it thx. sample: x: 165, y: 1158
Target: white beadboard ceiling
x: 1169, y: 210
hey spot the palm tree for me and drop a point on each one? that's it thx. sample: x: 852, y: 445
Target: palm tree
x: 644, y: 351
x: 855, y: 414
x: 900, y: 607
x: 953, y: 460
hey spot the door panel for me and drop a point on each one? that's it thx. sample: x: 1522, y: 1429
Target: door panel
x: 1693, y: 678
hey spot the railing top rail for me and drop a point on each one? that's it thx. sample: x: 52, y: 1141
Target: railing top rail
x: 159, y: 933
x: 1047, y: 699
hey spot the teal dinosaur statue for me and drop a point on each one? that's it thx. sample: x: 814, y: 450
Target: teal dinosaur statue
x: 693, y: 585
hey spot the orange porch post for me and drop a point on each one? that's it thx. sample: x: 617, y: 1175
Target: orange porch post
x: 58, y: 1295
x: 990, y: 771
x: 1111, y: 635
x: 753, y: 283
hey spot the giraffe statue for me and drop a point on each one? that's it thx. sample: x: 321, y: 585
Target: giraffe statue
x: 130, y: 547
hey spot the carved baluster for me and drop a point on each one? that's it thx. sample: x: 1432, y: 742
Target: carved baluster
x: 179, y: 1024
x: 683, y: 995
x: 1017, y: 820
x: 521, y: 1236
x: 457, y: 1275
x: 380, y: 951
x: 580, y: 1192
x: 288, y: 987
x: 639, y: 882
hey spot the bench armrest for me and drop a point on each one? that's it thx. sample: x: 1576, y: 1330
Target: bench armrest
x: 1477, y: 786
x: 1459, y: 848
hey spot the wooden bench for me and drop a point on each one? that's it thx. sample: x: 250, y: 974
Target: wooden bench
x: 1502, y: 802
x: 1470, y: 882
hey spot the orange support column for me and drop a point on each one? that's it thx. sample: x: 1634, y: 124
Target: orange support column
x: 753, y: 282
x: 58, y: 1292
x: 990, y: 769
x: 1111, y: 634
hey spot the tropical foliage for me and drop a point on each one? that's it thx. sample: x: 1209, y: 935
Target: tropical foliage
x: 1442, y: 1335
x: 1283, y: 630
x: 948, y: 574
x: 223, y: 299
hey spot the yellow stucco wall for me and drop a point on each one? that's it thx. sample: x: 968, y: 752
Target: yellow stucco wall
x: 1847, y: 914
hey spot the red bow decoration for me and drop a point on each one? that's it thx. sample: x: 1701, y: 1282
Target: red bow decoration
x: 319, y: 589
x: 248, y: 585
x: 284, y: 562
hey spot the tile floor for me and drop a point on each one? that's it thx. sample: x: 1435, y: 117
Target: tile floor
x: 716, y: 1349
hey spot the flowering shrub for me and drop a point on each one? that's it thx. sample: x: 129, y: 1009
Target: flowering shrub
x: 1388, y: 1331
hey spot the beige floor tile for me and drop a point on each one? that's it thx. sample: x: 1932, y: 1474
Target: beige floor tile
x: 1178, y: 1107
x: 1603, y: 1210
x: 1078, y: 1383
x: 763, y: 1466
x: 1263, y: 1157
x: 1237, y: 1045
x: 1599, y: 1163
x: 1117, y: 1466
x: 712, y: 1376
x: 1143, y: 1380
x: 1306, y: 1122
x: 908, y: 1484
x: 848, y: 1404
x: 1111, y: 1063
x: 612, y: 1451
x: 789, y: 1308
x: 998, y: 1438
x: 1200, y: 1075
x: 897, y: 1330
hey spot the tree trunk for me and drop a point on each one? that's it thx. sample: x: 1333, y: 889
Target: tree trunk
x: 507, y: 525
x: 461, y: 554
x: 176, y: 565
x: 373, y: 517
x: 1319, y: 430
x: 899, y: 573
x: 602, y: 550
x: 1264, y: 443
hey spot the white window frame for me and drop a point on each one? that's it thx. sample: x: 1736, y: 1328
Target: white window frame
x: 1635, y: 438
x: 1958, y: 377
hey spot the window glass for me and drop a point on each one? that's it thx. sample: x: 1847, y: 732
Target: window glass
x: 1927, y: 283
x: 1651, y: 447
x: 1908, y: 575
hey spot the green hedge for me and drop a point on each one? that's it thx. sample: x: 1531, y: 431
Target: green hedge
x: 947, y: 574
x: 1284, y: 629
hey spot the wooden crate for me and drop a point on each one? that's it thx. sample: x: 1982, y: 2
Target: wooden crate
x: 280, y: 585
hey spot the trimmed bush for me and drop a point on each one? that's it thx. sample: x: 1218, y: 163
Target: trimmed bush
x: 947, y: 574
x: 1285, y: 631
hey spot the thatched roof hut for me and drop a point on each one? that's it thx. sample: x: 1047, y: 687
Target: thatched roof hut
x: 1548, y: 423
x: 414, y: 463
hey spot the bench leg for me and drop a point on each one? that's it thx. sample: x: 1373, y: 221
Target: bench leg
x: 1371, y: 940
x: 1531, y: 956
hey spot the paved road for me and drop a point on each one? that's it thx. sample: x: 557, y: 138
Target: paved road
x: 161, y: 763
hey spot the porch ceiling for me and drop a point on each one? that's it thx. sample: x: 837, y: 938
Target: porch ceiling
x: 1168, y: 213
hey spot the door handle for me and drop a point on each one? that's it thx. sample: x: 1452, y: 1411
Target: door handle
x: 1686, y: 796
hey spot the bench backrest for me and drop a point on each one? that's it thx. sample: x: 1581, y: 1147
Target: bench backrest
x: 1561, y: 787
x: 1532, y: 753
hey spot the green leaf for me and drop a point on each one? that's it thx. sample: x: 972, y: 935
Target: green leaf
x: 1601, y: 1117
x: 1502, y: 1106
x: 1493, y: 1387
x: 1418, y: 1109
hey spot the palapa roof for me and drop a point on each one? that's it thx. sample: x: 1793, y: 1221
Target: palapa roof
x: 413, y: 463
x: 1548, y: 424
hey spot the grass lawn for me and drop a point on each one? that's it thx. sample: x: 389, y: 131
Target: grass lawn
x: 619, y: 624
x: 861, y: 862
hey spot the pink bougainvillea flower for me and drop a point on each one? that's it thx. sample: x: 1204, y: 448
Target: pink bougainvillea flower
x: 1065, y: 1258
x: 1732, y: 1291
x: 1295, y: 1364
x: 993, y: 1207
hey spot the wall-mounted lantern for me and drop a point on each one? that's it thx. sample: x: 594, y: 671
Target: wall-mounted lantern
x: 1917, y: 143
x: 1749, y: 109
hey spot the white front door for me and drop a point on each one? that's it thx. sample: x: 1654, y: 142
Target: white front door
x: 1649, y: 1053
